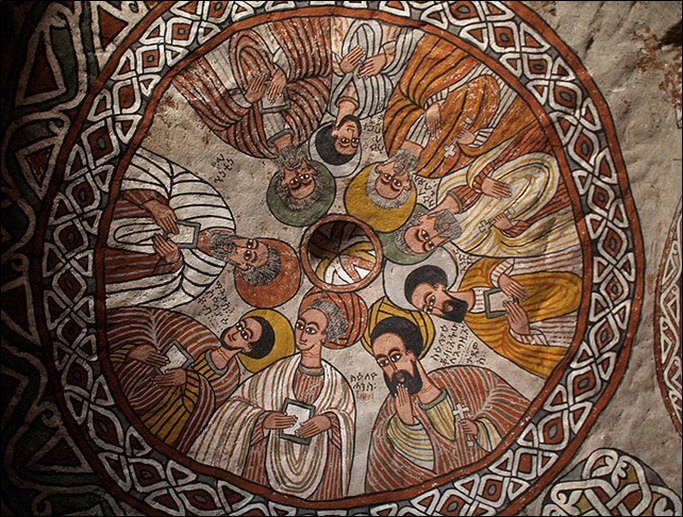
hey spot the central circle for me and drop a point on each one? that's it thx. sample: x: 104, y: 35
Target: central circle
x: 341, y: 253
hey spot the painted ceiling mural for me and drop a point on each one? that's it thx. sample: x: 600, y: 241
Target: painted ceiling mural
x: 332, y: 258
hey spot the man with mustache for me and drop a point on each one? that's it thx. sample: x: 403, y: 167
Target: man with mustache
x: 432, y: 423
x: 535, y: 326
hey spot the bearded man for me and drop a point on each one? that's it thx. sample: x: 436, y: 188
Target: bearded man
x: 264, y: 92
x: 432, y: 423
x: 172, y: 235
x: 383, y: 195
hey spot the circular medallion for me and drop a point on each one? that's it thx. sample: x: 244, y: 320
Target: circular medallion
x: 475, y: 109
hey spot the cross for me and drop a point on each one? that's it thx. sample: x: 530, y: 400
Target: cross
x: 459, y: 413
x: 449, y: 150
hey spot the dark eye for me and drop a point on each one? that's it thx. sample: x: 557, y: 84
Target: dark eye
x: 395, y: 357
x: 304, y: 177
x: 298, y: 325
x: 251, y: 243
x: 383, y: 362
x: 310, y: 330
x: 247, y: 255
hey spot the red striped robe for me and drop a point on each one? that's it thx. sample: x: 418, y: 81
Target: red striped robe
x: 306, y: 45
x: 485, y: 393
x: 175, y: 415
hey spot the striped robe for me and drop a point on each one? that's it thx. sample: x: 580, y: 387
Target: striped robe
x: 174, y: 415
x: 236, y: 441
x: 372, y: 93
x: 471, y: 97
x: 134, y: 273
x: 493, y: 404
x: 553, y: 297
x: 215, y: 84
x: 539, y: 207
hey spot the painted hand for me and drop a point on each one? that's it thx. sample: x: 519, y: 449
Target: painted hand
x: 495, y: 188
x: 404, y: 406
x: 278, y: 420
x: 517, y: 318
x: 316, y: 425
x: 351, y: 60
x: 148, y: 355
x: 173, y: 377
x: 511, y: 287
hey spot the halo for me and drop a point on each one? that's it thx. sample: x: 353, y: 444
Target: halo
x: 395, y: 275
x: 303, y: 217
x: 338, y: 171
x: 384, y: 308
x: 282, y: 288
x: 359, y: 205
x: 392, y: 252
x: 284, y: 340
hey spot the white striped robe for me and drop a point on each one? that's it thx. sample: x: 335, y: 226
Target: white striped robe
x: 192, y: 200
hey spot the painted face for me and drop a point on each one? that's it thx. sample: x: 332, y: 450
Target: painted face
x: 347, y: 140
x: 300, y: 181
x: 438, y: 301
x: 242, y: 335
x: 310, y: 330
x: 424, y: 237
x: 398, y: 364
x: 248, y: 252
x: 392, y: 180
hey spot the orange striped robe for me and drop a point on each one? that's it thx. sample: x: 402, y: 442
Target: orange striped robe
x: 486, y: 395
x: 437, y: 65
x: 306, y: 45
x: 175, y: 415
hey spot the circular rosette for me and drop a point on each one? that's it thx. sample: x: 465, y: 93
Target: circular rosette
x: 278, y: 283
x: 341, y: 254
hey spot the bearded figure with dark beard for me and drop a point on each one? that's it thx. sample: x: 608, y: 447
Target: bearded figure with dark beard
x: 432, y: 423
x: 535, y: 322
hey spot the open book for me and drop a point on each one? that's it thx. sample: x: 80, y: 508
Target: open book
x: 493, y: 302
x: 177, y: 357
x: 302, y: 412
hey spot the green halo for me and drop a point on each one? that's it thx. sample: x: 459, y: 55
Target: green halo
x: 304, y: 217
x: 391, y: 251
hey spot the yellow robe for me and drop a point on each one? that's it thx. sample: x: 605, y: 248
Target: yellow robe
x: 549, y: 295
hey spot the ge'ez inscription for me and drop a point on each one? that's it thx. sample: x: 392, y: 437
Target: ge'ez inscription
x: 223, y: 166
x: 364, y: 382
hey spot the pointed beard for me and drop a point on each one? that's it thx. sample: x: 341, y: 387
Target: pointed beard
x: 412, y: 382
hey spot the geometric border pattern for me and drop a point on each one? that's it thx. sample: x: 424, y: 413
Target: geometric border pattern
x: 101, y: 139
x: 610, y: 482
x: 667, y: 322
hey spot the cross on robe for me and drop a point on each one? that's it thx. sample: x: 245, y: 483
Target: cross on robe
x: 459, y: 413
x: 449, y: 150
